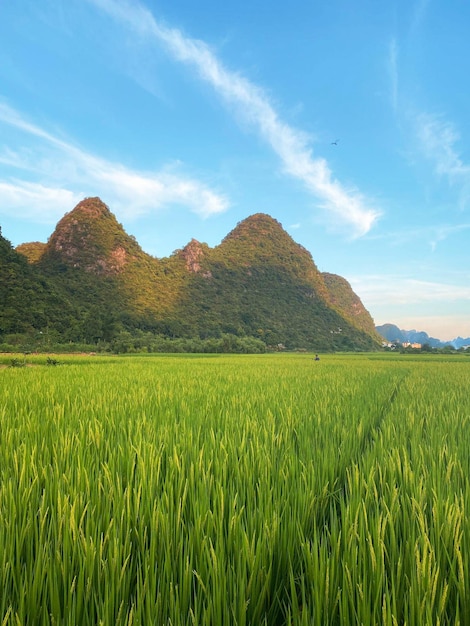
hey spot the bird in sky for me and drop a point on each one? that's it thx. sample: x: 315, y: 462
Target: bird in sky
x: 335, y: 142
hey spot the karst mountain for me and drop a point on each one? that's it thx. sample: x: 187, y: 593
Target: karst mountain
x: 92, y: 281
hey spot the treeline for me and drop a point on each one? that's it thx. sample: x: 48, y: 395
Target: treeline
x: 126, y: 342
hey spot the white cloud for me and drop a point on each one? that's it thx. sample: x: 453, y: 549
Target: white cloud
x: 10, y: 116
x: 36, y: 201
x: 437, y: 140
x: 62, y: 164
x: 347, y: 206
x: 377, y: 290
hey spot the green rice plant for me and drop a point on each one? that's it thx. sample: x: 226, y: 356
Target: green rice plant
x: 243, y: 490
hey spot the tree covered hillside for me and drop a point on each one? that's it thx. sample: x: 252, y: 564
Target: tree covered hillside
x: 92, y: 282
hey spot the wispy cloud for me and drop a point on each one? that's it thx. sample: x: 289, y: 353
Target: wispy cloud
x: 375, y: 290
x: 437, y: 139
x: 393, y: 72
x: 64, y: 170
x: 443, y: 232
x: 36, y: 201
x: 432, y: 235
x: 251, y: 104
x: 419, y: 13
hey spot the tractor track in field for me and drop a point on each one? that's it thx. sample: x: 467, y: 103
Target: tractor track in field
x: 332, y: 507
x: 339, y: 495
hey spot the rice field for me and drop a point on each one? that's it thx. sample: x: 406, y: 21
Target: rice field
x: 235, y: 490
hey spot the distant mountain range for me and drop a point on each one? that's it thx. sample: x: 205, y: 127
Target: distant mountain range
x: 392, y: 333
x: 92, y: 282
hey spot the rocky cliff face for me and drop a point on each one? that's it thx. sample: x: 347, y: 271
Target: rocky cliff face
x: 90, y: 238
x: 192, y: 255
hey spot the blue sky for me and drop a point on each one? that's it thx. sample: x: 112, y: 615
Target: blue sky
x: 346, y: 121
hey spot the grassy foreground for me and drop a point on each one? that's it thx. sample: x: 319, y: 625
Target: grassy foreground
x: 235, y: 490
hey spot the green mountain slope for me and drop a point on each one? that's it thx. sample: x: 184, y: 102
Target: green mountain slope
x: 33, y: 251
x: 29, y: 302
x: 348, y: 303
x: 89, y: 246
x: 258, y: 283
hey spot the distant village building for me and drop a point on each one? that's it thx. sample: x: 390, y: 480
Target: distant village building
x: 393, y: 345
